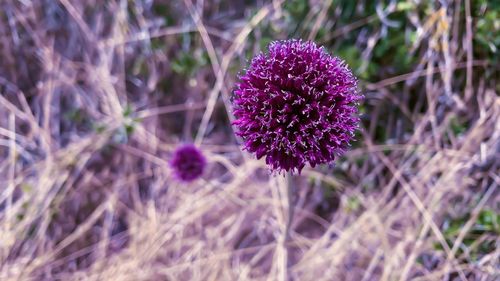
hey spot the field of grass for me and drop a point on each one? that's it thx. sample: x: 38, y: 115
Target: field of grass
x: 95, y: 96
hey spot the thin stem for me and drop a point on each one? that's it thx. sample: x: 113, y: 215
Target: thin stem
x: 283, y: 275
x: 290, y: 206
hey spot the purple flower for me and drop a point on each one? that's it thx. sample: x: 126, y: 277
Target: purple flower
x: 188, y: 163
x: 296, y: 105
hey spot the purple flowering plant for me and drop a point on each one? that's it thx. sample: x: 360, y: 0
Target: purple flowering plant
x: 188, y: 163
x: 295, y: 105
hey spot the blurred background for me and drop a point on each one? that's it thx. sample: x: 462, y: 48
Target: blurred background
x: 95, y: 96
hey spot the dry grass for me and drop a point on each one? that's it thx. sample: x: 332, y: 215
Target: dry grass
x: 87, y: 127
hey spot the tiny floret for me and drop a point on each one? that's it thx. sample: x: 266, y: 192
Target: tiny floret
x: 188, y: 163
x: 296, y: 105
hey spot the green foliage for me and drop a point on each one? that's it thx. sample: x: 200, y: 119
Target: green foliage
x: 127, y: 128
x: 297, y: 9
x: 487, y: 33
x: 390, y: 54
x: 353, y: 204
x: 352, y: 55
x: 479, y: 240
x: 456, y: 126
x: 99, y: 128
x: 129, y: 124
x: 264, y: 42
x: 164, y: 11
x: 75, y: 115
x: 186, y: 64
x: 183, y: 64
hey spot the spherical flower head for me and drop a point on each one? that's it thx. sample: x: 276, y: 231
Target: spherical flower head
x: 188, y: 163
x: 296, y: 105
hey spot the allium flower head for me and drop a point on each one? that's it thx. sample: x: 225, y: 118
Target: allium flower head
x: 188, y: 163
x: 296, y: 105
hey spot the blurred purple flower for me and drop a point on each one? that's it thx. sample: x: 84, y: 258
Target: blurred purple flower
x: 188, y: 163
x: 296, y: 104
